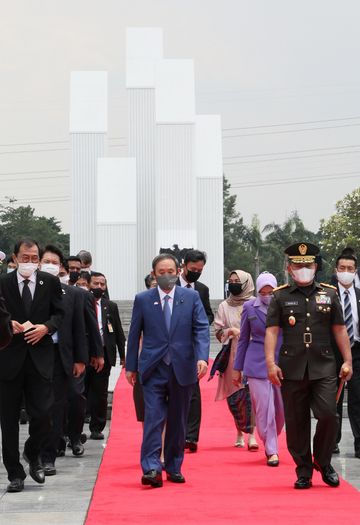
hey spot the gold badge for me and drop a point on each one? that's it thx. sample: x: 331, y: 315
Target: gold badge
x: 292, y: 320
x: 303, y: 249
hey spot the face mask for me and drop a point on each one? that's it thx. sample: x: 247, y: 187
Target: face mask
x: 192, y: 277
x: 74, y: 276
x: 27, y: 269
x: 83, y: 288
x: 166, y: 281
x: 64, y: 279
x: 9, y: 270
x: 265, y: 299
x: 345, y: 278
x: 97, y: 292
x: 303, y: 275
x: 54, y: 269
x: 235, y: 288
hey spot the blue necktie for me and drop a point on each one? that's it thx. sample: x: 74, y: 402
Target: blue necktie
x: 348, y: 317
x: 167, y: 316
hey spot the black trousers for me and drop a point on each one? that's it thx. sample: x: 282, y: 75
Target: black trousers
x: 76, y: 407
x: 96, y: 389
x: 299, y: 397
x: 194, y: 418
x: 354, y: 396
x: 38, y: 393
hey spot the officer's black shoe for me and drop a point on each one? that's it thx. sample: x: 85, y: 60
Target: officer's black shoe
x: 153, y: 478
x: 15, y: 485
x: 336, y: 449
x: 328, y: 474
x: 49, y: 468
x: 303, y: 483
x: 77, y: 448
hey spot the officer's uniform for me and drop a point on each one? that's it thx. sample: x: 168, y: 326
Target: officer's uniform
x: 308, y: 364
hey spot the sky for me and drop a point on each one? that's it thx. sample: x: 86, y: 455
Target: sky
x: 283, y: 75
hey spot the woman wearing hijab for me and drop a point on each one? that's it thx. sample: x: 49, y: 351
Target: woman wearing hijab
x: 227, y: 328
x: 250, y: 360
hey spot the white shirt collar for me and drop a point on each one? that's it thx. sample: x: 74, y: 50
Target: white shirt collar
x: 342, y: 289
x: 162, y: 293
x: 21, y: 279
x: 184, y: 283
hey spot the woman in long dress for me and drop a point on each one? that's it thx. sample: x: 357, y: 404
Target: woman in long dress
x: 227, y: 327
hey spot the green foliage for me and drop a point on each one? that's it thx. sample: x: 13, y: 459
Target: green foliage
x: 341, y: 229
x: 21, y: 221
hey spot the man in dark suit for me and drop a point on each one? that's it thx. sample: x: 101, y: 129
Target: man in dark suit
x: 112, y: 337
x: 71, y: 355
x: 5, y: 325
x: 174, y: 354
x: 34, y: 301
x: 345, y: 272
x: 194, y: 262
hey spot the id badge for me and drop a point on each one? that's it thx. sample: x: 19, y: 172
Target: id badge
x: 110, y: 328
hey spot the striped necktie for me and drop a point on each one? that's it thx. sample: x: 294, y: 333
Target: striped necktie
x: 348, y: 317
x: 167, y: 316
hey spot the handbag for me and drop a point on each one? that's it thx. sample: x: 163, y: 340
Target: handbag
x: 221, y: 361
x: 240, y: 406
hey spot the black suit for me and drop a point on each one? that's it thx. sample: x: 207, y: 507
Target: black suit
x: 194, y: 418
x: 71, y: 347
x: 5, y: 325
x: 97, y: 382
x: 28, y: 369
x: 353, y: 385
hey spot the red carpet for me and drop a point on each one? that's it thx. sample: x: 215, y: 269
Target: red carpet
x: 224, y: 484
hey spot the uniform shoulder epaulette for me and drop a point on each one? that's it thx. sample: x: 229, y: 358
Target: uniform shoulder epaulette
x: 281, y: 287
x: 328, y: 286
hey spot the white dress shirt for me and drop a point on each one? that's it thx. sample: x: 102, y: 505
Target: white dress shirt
x: 31, y: 285
x: 354, y: 308
x: 185, y: 284
x: 162, y: 297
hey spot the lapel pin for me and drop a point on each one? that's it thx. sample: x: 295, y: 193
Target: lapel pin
x: 41, y: 282
x: 155, y: 303
x: 63, y: 292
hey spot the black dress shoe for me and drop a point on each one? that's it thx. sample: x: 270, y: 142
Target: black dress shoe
x: 83, y: 438
x: 49, y: 468
x: 328, y: 474
x: 15, y: 485
x: 77, y: 448
x: 36, y: 470
x: 96, y: 434
x: 153, y: 478
x: 336, y: 449
x: 191, y: 445
x: 303, y: 483
x: 175, y: 477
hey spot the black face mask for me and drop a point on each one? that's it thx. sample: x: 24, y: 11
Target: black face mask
x: 74, y: 276
x: 235, y: 288
x: 192, y: 277
x: 97, y: 292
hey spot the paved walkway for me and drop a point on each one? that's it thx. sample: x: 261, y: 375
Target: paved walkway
x: 64, y: 498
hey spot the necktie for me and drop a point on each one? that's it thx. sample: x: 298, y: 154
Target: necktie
x: 188, y: 285
x: 348, y: 317
x: 167, y: 316
x: 26, y: 297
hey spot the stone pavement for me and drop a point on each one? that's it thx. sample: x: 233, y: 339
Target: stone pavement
x: 64, y: 498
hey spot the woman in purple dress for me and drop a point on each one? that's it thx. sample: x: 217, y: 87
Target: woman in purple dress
x: 250, y: 360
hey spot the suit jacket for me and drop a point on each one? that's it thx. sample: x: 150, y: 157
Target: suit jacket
x: 338, y: 356
x: 5, y: 325
x: 94, y: 343
x: 47, y: 308
x: 203, y: 291
x: 250, y: 354
x: 187, y: 342
x: 73, y: 346
x: 113, y: 333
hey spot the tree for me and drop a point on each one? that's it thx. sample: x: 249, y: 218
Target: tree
x: 21, y: 221
x: 342, y: 229
x: 234, y: 231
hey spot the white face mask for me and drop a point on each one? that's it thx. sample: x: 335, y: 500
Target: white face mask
x: 54, y: 269
x: 64, y: 279
x: 9, y: 270
x: 83, y: 287
x: 27, y: 269
x: 345, y: 278
x: 303, y: 275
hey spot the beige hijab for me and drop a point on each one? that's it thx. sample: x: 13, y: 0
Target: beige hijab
x: 247, y: 291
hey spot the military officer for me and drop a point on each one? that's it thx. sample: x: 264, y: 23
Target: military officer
x: 307, y: 312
